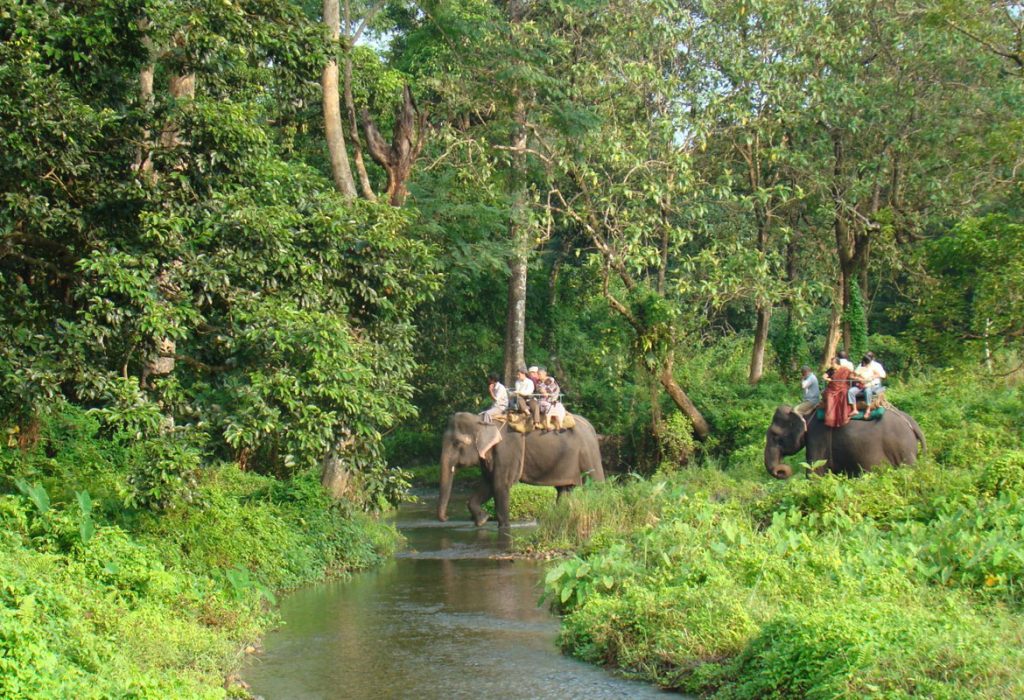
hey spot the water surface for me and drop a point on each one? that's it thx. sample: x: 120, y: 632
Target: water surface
x: 443, y: 620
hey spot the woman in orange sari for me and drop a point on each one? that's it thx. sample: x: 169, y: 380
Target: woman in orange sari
x: 837, y: 408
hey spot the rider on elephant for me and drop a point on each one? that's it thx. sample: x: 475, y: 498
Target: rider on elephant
x: 811, y: 391
x: 499, y: 394
x: 548, y: 410
x: 837, y: 408
x: 523, y: 390
x: 869, y: 374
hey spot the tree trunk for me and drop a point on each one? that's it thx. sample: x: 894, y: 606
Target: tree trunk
x: 353, y: 125
x: 515, y: 326
x: 143, y: 158
x: 792, y: 361
x: 764, y: 309
x: 701, y: 428
x: 350, y: 107
x: 655, y: 410
x: 844, y: 295
x: 549, y: 341
x: 764, y: 317
x: 832, y: 338
x: 181, y: 87
x: 334, y: 477
x: 408, y: 137
x: 332, y: 108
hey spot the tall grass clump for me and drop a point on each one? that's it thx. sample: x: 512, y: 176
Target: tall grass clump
x: 598, y: 510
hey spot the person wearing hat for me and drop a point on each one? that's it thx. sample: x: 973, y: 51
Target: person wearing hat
x: 523, y: 390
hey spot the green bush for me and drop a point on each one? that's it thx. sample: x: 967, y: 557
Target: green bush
x: 899, y: 357
x: 527, y: 502
x: 1003, y: 475
x: 877, y: 648
x: 410, y: 448
x: 675, y: 438
x: 102, y: 598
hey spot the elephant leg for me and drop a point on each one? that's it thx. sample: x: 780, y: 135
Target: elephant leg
x: 501, y: 505
x: 479, y: 497
x: 817, y: 450
x: 563, y: 490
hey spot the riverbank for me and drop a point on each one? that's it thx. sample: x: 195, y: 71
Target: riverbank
x: 720, y: 581
x: 100, y: 600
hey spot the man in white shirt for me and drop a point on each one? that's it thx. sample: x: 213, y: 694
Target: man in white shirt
x: 878, y: 372
x: 870, y: 373
x: 523, y: 390
x: 499, y: 393
x: 844, y: 360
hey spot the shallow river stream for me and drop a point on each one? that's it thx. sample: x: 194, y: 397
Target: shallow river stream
x: 443, y: 620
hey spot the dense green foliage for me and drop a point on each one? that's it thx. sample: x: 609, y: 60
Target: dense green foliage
x: 101, y: 601
x: 789, y: 154
x: 198, y: 321
x: 904, y: 582
x: 290, y: 310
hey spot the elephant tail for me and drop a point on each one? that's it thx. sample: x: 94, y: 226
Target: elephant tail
x: 920, y: 437
x: 918, y: 433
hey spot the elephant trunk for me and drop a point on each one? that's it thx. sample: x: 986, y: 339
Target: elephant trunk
x: 447, y: 479
x: 774, y: 464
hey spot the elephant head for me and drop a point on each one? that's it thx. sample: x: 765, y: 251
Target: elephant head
x: 466, y: 442
x: 786, y: 436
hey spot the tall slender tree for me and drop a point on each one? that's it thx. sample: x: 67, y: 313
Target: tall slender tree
x: 333, y: 128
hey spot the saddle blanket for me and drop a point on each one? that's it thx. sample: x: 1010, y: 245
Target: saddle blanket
x: 876, y: 414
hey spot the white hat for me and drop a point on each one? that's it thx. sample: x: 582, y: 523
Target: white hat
x: 533, y: 368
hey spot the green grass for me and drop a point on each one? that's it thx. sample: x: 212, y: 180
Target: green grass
x: 720, y: 581
x: 152, y: 604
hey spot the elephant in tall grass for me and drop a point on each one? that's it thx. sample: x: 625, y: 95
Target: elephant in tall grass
x: 555, y: 458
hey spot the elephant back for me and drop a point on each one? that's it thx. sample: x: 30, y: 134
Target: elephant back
x: 590, y: 453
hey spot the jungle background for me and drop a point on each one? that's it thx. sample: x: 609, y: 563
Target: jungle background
x: 255, y: 252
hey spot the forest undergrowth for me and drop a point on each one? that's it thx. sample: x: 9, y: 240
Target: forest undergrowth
x: 716, y: 579
x: 103, y: 600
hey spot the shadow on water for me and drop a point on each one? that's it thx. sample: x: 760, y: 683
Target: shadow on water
x: 443, y: 620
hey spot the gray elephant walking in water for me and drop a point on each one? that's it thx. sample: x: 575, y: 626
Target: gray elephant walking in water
x: 558, y: 459
x: 855, y: 447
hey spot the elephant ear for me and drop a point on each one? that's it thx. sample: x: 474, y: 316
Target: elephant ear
x: 487, y: 437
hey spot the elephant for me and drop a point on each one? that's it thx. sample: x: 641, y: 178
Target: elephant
x: 857, y: 446
x: 556, y: 458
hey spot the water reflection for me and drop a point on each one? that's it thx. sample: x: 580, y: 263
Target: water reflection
x: 443, y: 620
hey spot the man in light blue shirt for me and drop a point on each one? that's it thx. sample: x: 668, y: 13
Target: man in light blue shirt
x: 812, y: 392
